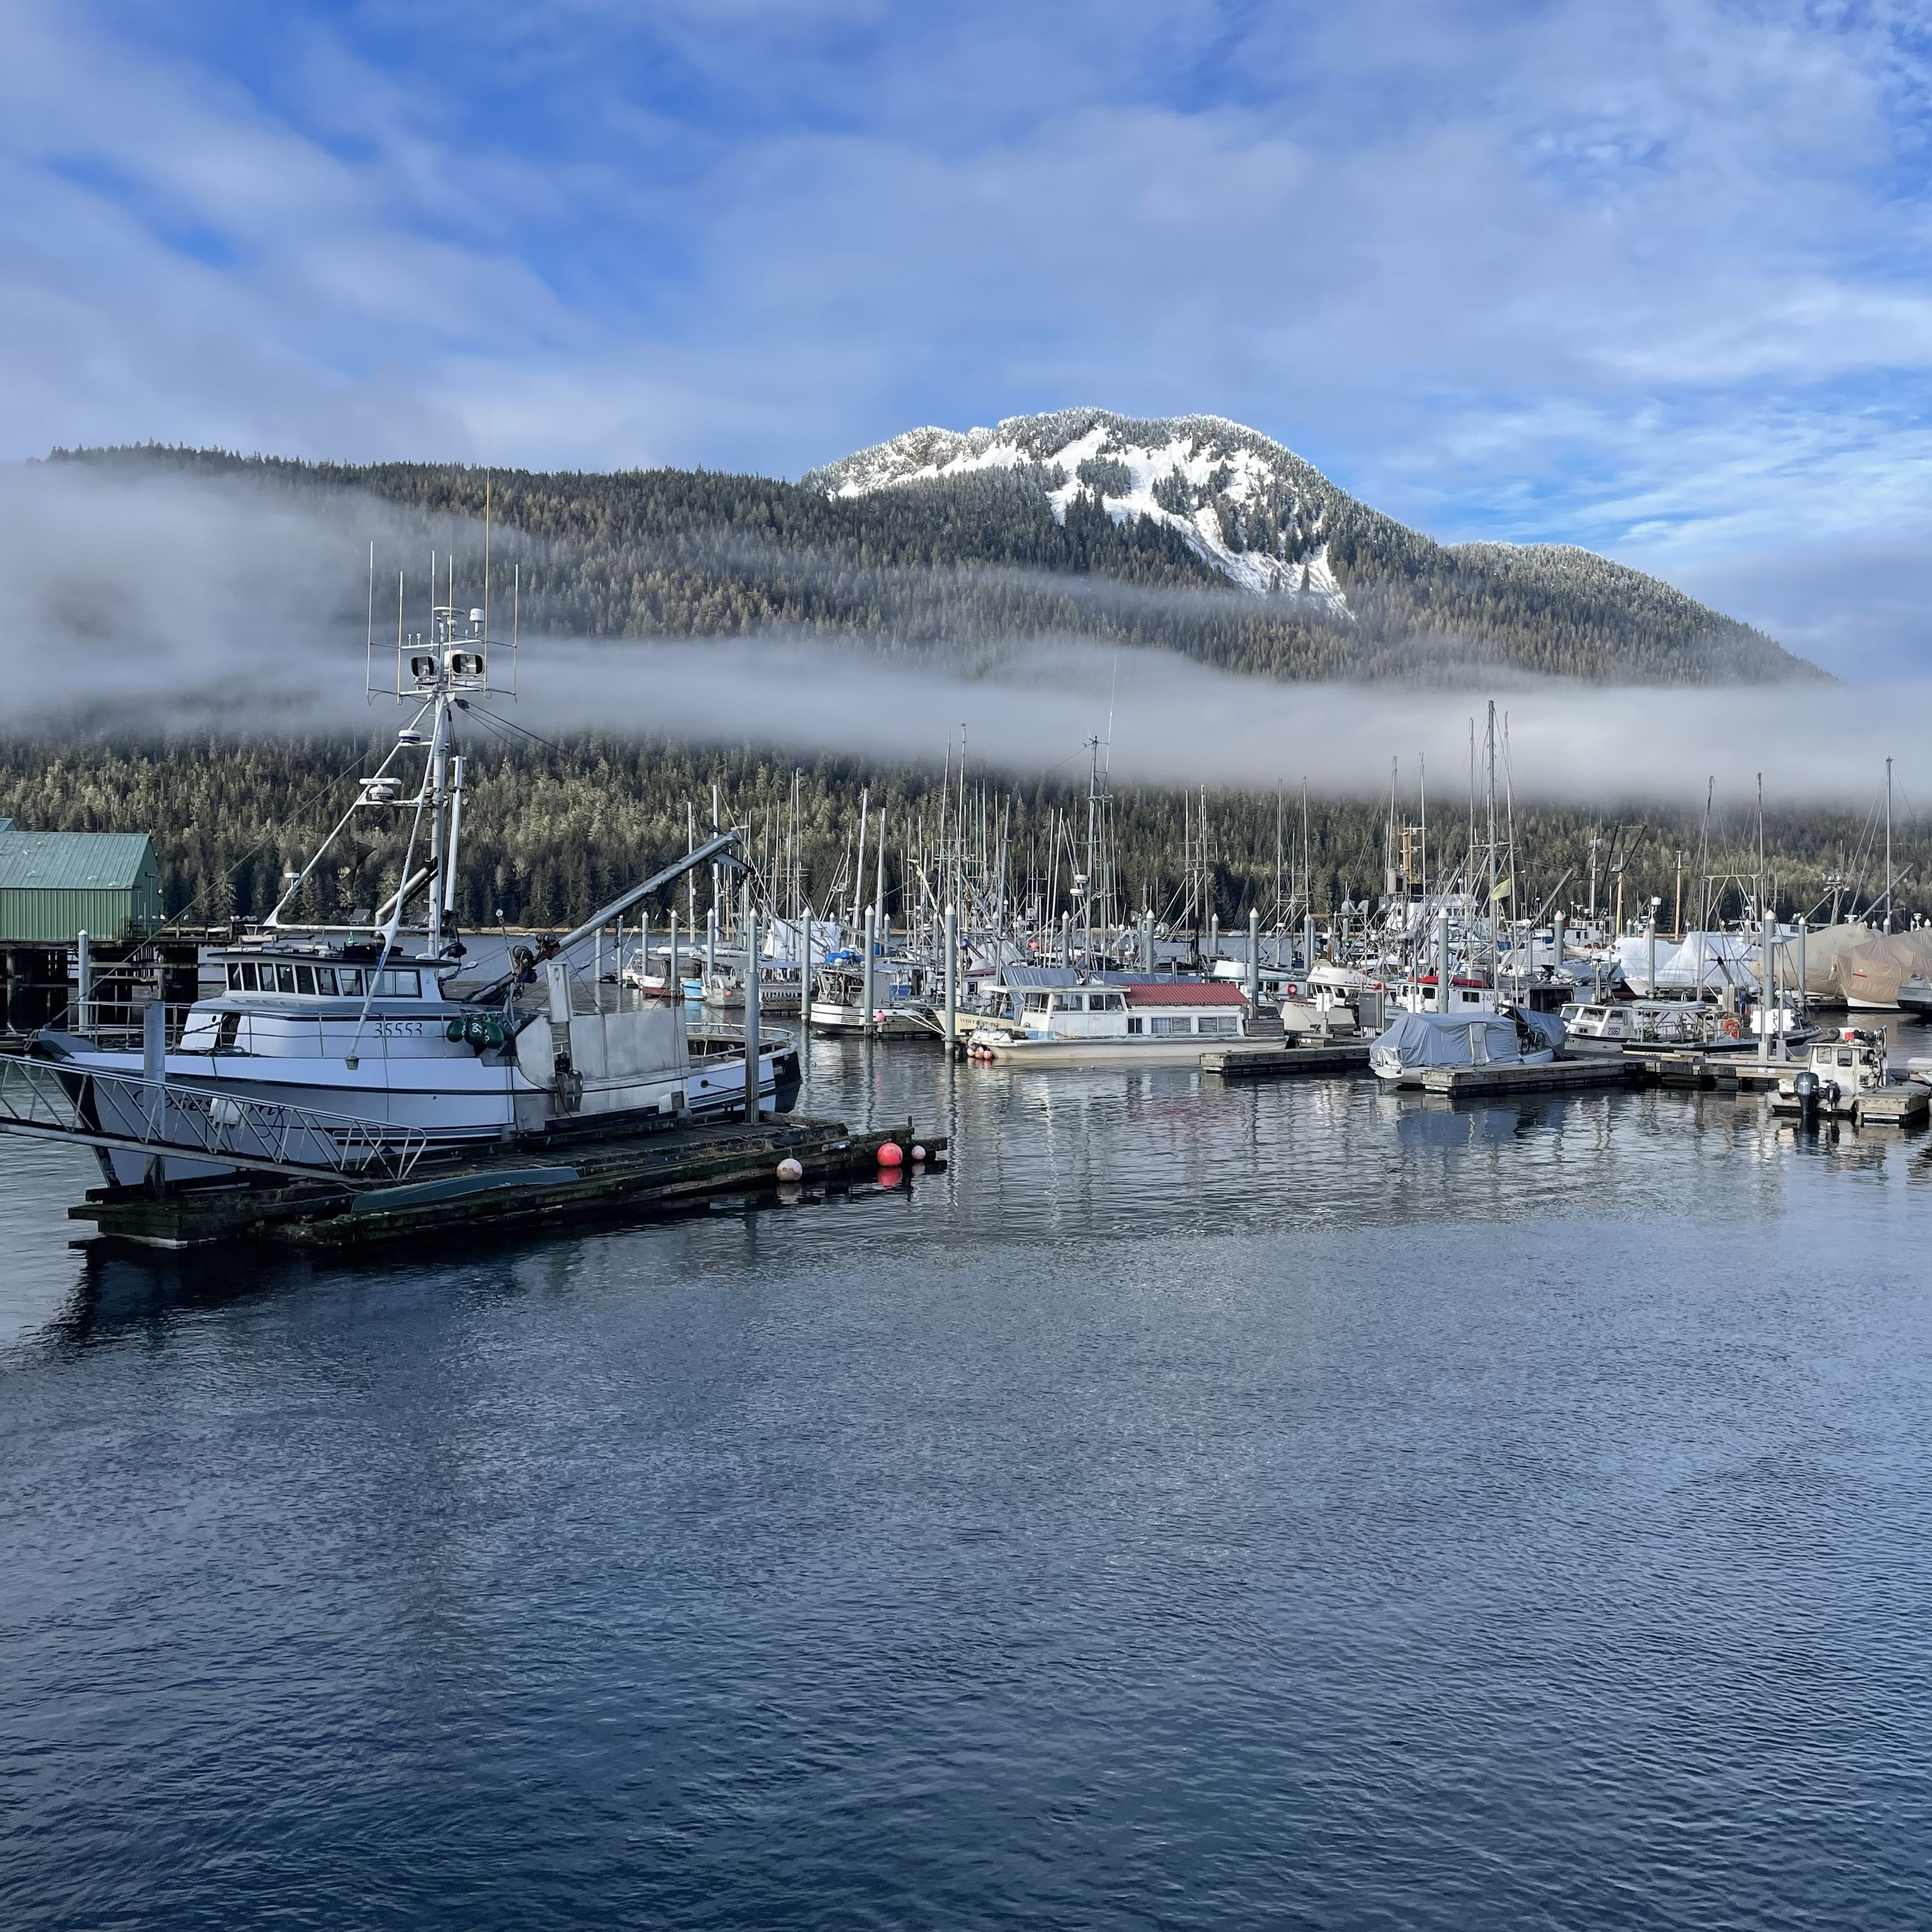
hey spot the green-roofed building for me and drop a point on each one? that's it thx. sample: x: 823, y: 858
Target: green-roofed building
x: 54, y: 885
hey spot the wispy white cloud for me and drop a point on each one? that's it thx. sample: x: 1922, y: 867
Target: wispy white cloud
x: 1651, y: 276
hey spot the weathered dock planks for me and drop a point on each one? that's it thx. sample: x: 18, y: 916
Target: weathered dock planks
x: 518, y: 1187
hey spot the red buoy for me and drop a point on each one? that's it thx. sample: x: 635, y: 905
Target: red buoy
x: 891, y: 1154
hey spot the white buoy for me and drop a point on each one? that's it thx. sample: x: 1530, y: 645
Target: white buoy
x: 790, y: 1169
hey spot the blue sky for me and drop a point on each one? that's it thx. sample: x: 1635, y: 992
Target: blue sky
x: 1649, y: 277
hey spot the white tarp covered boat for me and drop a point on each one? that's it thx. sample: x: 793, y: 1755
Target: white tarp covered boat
x: 1418, y: 1042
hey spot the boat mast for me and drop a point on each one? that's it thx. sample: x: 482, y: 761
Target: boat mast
x: 1888, y: 879
x: 1490, y: 746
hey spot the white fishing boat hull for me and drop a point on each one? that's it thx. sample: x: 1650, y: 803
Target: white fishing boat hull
x: 627, y: 1070
x: 1021, y: 1049
x: 887, y: 1022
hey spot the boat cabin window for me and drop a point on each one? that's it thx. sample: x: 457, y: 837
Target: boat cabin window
x: 1844, y: 1056
x: 1108, y: 1002
x: 1593, y: 1012
x: 1215, y: 1023
x: 400, y: 983
x: 268, y: 976
x: 1037, y: 1002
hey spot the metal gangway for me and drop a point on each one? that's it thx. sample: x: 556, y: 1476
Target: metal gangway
x: 57, y: 1100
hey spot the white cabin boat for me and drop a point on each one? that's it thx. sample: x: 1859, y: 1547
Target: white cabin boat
x: 838, y: 1002
x: 1840, y: 1071
x: 1139, y: 1023
x: 1325, y: 1001
x: 1467, y: 995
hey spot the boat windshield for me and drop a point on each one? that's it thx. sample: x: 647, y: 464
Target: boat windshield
x: 304, y: 979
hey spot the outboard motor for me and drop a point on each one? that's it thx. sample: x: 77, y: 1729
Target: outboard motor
x: 1804, y: 1090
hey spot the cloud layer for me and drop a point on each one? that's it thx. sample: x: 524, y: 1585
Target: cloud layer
x: 134, y: 604
x: 1649, y: 277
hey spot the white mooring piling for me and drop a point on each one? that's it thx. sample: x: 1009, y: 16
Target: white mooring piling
x: 951, y: 977
x: 869, y: 977
x: 752, y: 1044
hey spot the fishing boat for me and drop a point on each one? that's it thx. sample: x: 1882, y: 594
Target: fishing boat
x: 1609, y: 1026
x: 1612, y: 1026
x: 372, y: 1025
x: 1841, y: 1071
x: 780, y: 988
x: 1139, y: 1023
x: 839, y: 1004
x: 1467, y: 995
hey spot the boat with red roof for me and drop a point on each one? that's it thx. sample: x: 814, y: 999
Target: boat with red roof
x: 1119, y: 1018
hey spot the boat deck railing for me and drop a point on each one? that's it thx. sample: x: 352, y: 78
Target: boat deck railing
x: 51, y: 1100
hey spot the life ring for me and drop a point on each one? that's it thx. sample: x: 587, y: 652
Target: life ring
x: 1729, y: 1027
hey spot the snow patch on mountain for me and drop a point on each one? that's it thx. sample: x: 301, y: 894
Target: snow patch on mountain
x: 1247, y: 507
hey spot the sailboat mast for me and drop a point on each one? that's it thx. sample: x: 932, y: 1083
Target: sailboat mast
x: 1490, y: 749
x: 1888, y: 878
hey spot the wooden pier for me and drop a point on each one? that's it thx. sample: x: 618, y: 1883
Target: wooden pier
x: 1549, y: 1077
x: 1691, y: 1066
x: 519, y: 1187
x: 1284, y: 1063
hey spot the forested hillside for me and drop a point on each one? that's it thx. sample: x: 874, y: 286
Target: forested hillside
x: 1002, y: 553
x: 549, y: 832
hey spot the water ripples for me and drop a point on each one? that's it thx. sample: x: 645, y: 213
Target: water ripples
x: 1292, y: 1505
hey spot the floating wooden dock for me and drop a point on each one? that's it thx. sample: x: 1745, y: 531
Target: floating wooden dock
x: 518, y: 1187
x: 1284, y: 1063
x: 1549, y: 1077
x: 1898, y: 1106
x: 1691, y: 1066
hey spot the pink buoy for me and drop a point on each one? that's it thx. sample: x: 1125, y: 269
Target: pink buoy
x: 918, y: 1153
x: 891, y: 1154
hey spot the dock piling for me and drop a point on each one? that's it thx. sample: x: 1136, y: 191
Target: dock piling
x: 752, y: 1043
x: 951, y: 977
x: 868, y: 976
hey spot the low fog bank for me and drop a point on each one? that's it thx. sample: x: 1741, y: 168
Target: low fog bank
x: 131, y: 605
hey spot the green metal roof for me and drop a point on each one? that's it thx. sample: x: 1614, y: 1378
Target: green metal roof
x: 73, y: 861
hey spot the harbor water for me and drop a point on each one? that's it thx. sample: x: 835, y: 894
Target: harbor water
x: 1292, y: 1504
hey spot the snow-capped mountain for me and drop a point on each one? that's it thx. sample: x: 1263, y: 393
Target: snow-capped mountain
x: 1361, y: 593
x: 1250, y: 508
